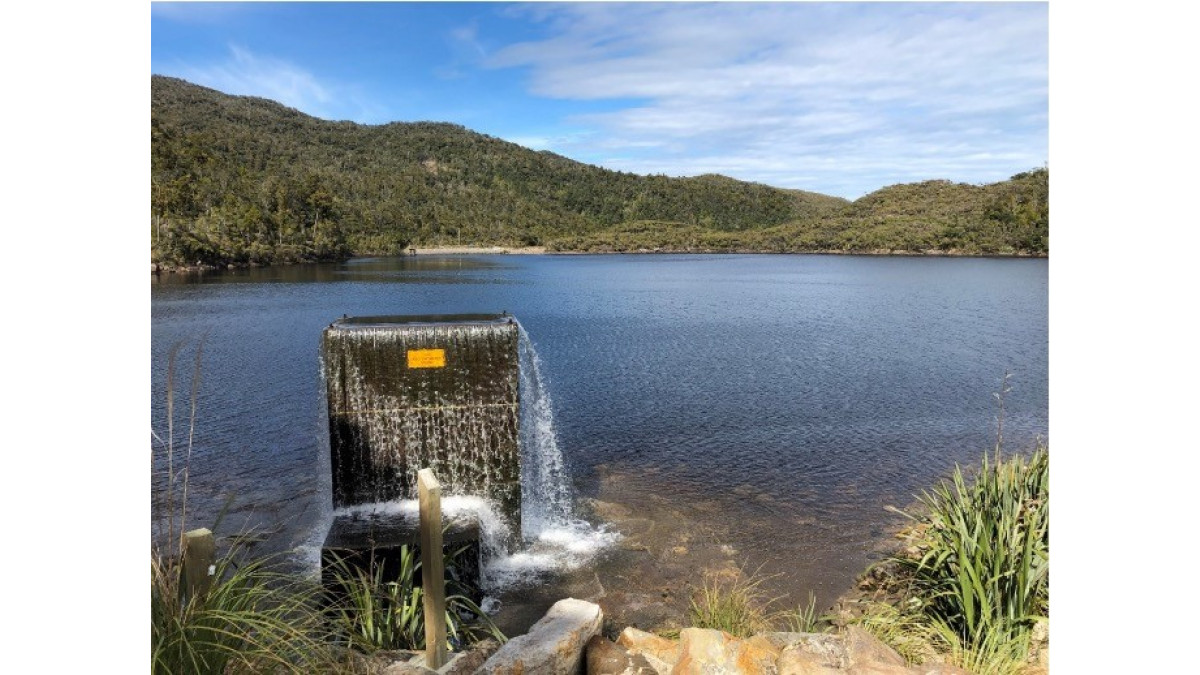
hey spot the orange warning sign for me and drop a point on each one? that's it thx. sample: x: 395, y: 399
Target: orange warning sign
x: 427, y: 358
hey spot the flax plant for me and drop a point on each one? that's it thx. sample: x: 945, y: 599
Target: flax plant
x: 985, y: 568
x: 375, y: 613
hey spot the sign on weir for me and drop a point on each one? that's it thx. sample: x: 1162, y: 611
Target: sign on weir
x: 427, y: 358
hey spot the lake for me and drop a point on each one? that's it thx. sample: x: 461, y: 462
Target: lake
x: 759, y: 410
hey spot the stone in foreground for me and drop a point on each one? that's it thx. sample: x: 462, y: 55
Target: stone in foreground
x: 553, y: 646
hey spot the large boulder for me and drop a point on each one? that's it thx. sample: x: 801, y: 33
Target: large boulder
x: 553, y: 646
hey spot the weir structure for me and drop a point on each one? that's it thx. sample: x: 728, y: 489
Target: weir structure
x: 406, y: 393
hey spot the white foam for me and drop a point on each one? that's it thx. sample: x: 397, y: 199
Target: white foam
x: 562, y: 548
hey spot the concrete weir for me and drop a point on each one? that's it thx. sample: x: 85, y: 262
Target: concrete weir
x: 406, y: 393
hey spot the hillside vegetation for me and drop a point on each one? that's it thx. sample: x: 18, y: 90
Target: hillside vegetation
x: 238, y: 180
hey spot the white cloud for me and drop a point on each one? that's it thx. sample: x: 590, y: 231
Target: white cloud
x: 796, y: 94
x: 248, y: 74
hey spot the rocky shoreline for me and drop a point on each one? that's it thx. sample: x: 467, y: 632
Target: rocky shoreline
x: 570, y: 639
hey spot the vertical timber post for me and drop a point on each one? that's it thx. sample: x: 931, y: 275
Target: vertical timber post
x: 199, y: 550
x: 429, y: 493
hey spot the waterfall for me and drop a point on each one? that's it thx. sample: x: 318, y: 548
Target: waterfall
x: 547, y: 500
x: 473, y: 405
x: 555, y: 539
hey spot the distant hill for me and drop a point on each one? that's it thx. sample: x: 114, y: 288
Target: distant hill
x: 239, y: 179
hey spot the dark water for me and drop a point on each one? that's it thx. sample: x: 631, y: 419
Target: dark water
x: 783, y: 400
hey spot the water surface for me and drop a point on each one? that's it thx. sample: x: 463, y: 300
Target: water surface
x: 770, y: 404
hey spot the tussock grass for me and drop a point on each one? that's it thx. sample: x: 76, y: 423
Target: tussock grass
x: 252, y: 619
x: 736, y: 606
x: 991, y: 652
x: 803, y: 619
x: 910, y: 633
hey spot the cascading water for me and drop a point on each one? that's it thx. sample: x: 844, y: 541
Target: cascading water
x: 554, y: 538
x: 548, y: 500
x: 459, y: 415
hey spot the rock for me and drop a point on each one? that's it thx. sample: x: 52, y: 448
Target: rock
x: 407, y: 668
x: 1039, y: 644
x: 659, y: 651
x: 606, y: 658
x: 795, y: 661
x: 811, y: 654
x: 553, y: 646
x: 705, y: 651
x: 402, y: 662
x: 867, y: 652
x: 467, y: 662
x: 756, y: 655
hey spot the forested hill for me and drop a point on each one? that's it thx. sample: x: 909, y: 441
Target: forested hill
x: 241, y: 179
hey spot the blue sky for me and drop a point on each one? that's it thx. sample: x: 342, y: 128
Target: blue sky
x: 839, y: 98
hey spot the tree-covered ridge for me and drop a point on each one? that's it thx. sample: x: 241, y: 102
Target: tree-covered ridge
x: 244, y: 179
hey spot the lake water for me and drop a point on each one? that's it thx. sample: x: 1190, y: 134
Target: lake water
x: 766, y: 406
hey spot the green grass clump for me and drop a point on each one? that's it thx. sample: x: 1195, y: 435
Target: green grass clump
x: 908, y: 632
x: 990, y: 652
x: 978, y: 577
x: 252, y: 619
x: 736, y: 606
x: 803, y: 619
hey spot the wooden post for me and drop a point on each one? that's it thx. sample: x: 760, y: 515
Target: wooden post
x: 433, y: 575
x: 199, y: 551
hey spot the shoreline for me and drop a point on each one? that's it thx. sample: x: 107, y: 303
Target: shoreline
x: 162, y: 268
x: 479, y: 250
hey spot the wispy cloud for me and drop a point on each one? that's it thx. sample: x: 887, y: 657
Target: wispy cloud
x: 247, y: 73
x: 803, y: 95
